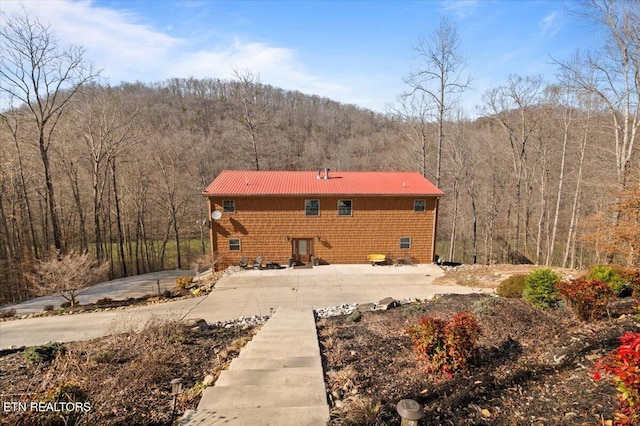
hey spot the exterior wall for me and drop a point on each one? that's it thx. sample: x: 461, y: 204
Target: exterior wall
x: 266, y: 225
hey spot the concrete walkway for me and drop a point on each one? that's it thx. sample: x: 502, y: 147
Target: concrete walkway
x: 277, y: 379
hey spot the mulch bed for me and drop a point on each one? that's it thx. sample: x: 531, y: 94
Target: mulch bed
x: 533, y: 367
x: 125, y: 379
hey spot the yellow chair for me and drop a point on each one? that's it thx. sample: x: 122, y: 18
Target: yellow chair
x: 376, y: 258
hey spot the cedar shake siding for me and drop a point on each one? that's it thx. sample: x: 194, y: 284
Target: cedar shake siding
x: 269, y: 225
x: 376, y: 224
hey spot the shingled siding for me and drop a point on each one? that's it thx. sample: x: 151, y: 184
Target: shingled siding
x: 263, y: 224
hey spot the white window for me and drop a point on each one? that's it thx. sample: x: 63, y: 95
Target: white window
x: 419, y: 205
x: 344, y: 207
x: 405, y: 243
x: 312, y: 207
x: 234, y: 244
x: 229, y: 206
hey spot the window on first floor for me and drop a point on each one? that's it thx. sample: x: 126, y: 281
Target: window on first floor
x: 419, y: 205
x: 229, y: 206
x: 312, y: 207
x: 234, y: 244
x: 405, y: 243
x: 344, y: 207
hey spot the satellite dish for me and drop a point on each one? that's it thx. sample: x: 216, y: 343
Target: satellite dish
x: 216, y: 215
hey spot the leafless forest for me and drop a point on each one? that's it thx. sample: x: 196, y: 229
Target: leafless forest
x: 548, y: 172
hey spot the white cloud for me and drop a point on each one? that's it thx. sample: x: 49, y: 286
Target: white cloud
x: 128, y: 50
x: 549, y: 26
x: 459, y: 8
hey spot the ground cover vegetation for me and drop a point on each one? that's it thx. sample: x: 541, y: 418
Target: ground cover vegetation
x: 123, y: 379
x: 568, y: 356
x: 547, y: 172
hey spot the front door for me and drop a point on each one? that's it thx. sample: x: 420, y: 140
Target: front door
x: 301, y: 249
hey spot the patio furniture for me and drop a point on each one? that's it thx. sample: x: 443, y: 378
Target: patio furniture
x: 258, y: 263
x: 244, y: 262
x: 376, y: 259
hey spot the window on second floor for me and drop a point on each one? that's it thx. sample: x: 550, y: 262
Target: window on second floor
x: 312, y: 207
x: 344, y: 207
x: 229, y: 206
x: 419, y: 205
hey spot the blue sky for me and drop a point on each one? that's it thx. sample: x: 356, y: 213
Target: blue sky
x: 351, y: 51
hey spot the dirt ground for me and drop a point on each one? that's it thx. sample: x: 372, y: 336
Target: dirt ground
x: 533, y: 367
x: 489, y: 276
x: 124, y: 379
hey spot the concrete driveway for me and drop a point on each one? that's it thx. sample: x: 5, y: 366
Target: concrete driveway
x: 118, y: 289
x: 243, y: 293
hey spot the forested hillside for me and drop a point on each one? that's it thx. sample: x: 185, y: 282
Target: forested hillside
x: 547, y: 172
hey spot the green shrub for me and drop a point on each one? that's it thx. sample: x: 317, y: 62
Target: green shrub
x: 44, y: 353
x: 65, y: 305
x: 587, y: 299
x: 355, y: 316
x: 609, y: 275
x: 512, y: 287
x: 183, y: 282
x: 486, y: 307
x: 445, y: 347
x: 540, y: 288
x: 47, y: 308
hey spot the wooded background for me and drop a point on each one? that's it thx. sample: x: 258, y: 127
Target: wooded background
x: 547, y: 172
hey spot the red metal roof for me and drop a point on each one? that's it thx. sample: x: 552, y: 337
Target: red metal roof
x: 252, y: 182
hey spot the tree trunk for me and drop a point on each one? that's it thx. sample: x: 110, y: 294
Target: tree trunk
x: 554, y: 229
x: 116, y: 199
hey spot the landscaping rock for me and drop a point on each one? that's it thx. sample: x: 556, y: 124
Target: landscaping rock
x: 208, y: 380
x: 196, y: 322
x: 333, y: 311
x: 242, y: 322
x: 387, y: 303
x: 366, y: 307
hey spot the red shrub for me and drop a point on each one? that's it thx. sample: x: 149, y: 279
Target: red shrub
x: 445, y: 346
x: 587, y: 299
x: 624, y: 366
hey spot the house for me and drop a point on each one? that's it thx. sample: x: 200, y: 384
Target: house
x: 323, y: 216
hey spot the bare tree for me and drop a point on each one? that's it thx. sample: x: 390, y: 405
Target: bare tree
x: 253, y: 114
x: 510, y: 105
x: 413, y: 110
x: 440, y: 76
x: 36, y: 72
x: 67, y: 275
x: 612, y: 75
